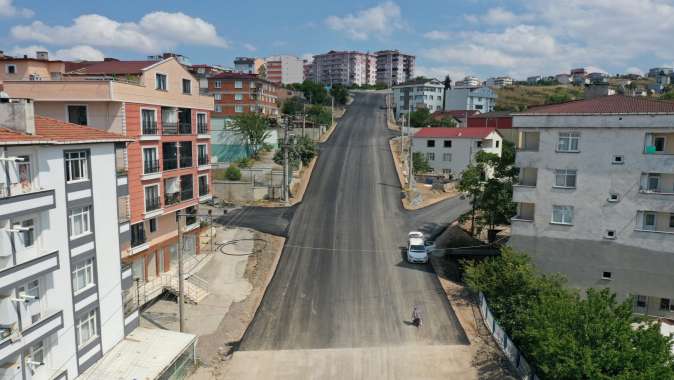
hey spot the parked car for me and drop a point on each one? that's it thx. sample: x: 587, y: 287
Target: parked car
x: 416, y: 248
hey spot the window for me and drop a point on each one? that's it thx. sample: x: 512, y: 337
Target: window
x: 150, y: 160
x: 618, y: 159
x: 613, y: 197
x: 149, y: 122
x: 86, y: 328
x: 568, y: 142
x: 137, y: 234
x: 606, y: 275
x: 653, y: 182
x: 671, y: 220
x: 10, y: 69
x: 430, y: 143
x: 664, y: 303
x: 562, y: 214
x: 446, y: 156
x: 36, y: 355
x: 238, y: 109
x: 238, y: 84
x: 77, y: 114
x: 218, y: 108
x: 76, y: 166
x: 160, y: 82
x: 203, y: 185
x: 83, y: 275
x: 27, y: 235
x: 187, y: 86
x: 79, y: 219
x: 238, y: 96
x: 430, y: 156
x: 153, y: 224
x: 151, y: 198
x: 659, y: 143
x: 649, y: 221
x: 218, y: 96
x: 217, y: 84
x: 497, y: 143
x: 565, y: 178
x: 447, y: 172
x: 610, y: 234
x: 641, y: 301
x: 447, y: 143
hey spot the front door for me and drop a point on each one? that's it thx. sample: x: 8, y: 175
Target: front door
x: 151, y: 266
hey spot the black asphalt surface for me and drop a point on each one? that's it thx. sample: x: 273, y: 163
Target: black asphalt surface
x: 342, y: 280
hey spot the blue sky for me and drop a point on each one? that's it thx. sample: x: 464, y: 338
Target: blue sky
x: 484, y: 38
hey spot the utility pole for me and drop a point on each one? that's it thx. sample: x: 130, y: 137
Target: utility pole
x: 181, y: 285
x: 285, y: 164
x: 409, y: 137
x: 332, y: 112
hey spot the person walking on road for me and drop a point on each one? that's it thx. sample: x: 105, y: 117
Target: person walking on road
x: 416, y: 316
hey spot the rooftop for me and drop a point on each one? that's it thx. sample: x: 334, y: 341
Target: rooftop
x: 613, y: 104
x: 466, y: 133
x: 492, y: 114
x: 419, y: 81
x: 53, y: 131
x: 111, y: 67
x: 459, y: 114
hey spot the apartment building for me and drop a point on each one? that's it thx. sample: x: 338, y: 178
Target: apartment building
x: 61, y: 278
x: 394, y: 67
x: 344, y: 67
x: 239, y: 93
x: 248, y: 65
x: 417, y: 93
x: 26, y: 68
x: 166, y: 166
x: 202, y: 72
x: 450, y: 150
x: 468, y: 82
x: 594, y: 196
x: 482, y: 99
x: 499, y: 82
x: 284, y: 69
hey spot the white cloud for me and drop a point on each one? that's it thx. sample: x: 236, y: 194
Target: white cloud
x: 75, y: 53
x: 156, y: 31
x: 249, y: 47
x: 379, y: 21
x: 595, y: 69
x: 500, y: 16
x: 436, y: 35
x: 455, y: 73
x: 634, y: 70
x: 8, y: 9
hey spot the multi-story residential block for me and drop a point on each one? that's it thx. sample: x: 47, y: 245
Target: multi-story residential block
x: 238, y: 93
x: 597, y: 77
x: 468, y: 82
x: 308, y: 67
x: 284, y: 69
x: 563, y: 78
x: 450, y: 150
x: 61, y: 278
x: 534, y: 79
x: 655, y: 71
x: 158, y: 106
x: 248, y: 65
x: 482, y: 99
x: 499, y: 82
x: 578, y: 76
x: 417, y: 93
x: 26, y: 68
x: 594, y: 196
x: 202, y: 72
x: 344, y: 67
x: 394, y: 67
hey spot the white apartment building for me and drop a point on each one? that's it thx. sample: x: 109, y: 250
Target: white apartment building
x: 482, y: 99
x: 344, y: 67
x: 417, y: 93
x: 450, y: 150
x: 596, y: 196
x: 394, y: 67
x: 499, y: 82
x: 61, y: 280
x: 284, y: 69
x: 468, y: 82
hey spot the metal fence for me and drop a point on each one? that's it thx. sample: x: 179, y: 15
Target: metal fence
x: 506, y: 344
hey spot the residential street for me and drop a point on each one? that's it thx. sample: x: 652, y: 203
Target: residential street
x: 342, y: 280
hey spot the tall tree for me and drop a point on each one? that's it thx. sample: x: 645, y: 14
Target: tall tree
x: 447, y: 86
x: 420, y: 118
x: 340, y: 93
x: 253, y: 128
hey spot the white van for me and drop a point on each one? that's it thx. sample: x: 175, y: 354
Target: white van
x: 416, y: 248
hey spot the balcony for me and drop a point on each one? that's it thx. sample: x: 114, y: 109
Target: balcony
x: 202, y: 129
x: 151, y: 167
x: 186, y: 194
x: 525, y: 212
x: 23, y: 197
x: 185, y: 162
x: 527, y: 177
x: 150, y: 128
x: 170, y: 163
x: 152, y: 204
x: 655, y: 222
x: 657, y: 183
x: 528, y: 141
x: 36, y: 332
x: 203, y: 160
x: 659, y: 144
x: 171, y: 198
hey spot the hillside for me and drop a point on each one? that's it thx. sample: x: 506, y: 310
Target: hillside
x: 519, y: 97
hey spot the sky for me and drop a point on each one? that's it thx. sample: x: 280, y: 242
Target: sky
x: 519, y: 38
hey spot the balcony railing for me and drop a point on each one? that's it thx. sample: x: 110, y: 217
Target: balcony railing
x: 202, y: 129
x: 186, y: 194
x: 203, y: 160
x: 169, y: 128
x: 203, y: 190
x: 186, y: 162
x: 170, y: 163
x: 150, y: 167
x: 152, y: 204
x: 185, y: 128
x: 137, y: 237
x: 150, y: 128
x: 171, y: 198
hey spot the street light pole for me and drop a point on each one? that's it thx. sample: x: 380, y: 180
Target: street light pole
x: 285, y: 165
x: 181, y: 285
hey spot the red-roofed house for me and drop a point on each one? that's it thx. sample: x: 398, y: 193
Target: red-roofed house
x: 594, y: 195
x: 450, y: 150
x: 501, y: 120
x: 167, y: 167
x: 460, y: 116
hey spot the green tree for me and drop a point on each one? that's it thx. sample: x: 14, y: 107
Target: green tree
x: 233, y: 173
x: 420, y: 163
x: 319, y: 115
x: 253, y: 129
x: 420, y: 118
x: 471, y: 183
x: 447, y: 122
x: 292, y: 106
x: 340, y: 93
x: 314, y: 92
x: 302, y: 150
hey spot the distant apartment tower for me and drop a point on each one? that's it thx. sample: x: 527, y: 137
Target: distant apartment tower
x: 468, y: 82
x: 248, y: 65
x: 239, y: 93
x: 415, y: 94
x: 284, y: 69
x: 655, y: 71
x: 307, y: 67
x: 394, y: 67
x: 61, y: 278
x: 594, y: 196
x: 482, y: 99
x: 499, y: 82
x: 344, y: 67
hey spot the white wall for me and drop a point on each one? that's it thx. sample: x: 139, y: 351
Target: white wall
x: 463, y: 151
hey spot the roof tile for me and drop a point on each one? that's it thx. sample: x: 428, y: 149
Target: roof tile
x: 613, y: 104
x: 467, y: 133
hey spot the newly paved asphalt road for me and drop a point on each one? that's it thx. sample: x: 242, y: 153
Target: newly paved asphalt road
x: 342, y: 280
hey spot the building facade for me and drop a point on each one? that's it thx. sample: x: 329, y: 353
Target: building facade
x: 414, y: 94
x: 482, y: 99
x: 284, y: 69
x: 468, y: 82
x: 344, y: 67
x: 239, y: 93
x: 61, y: 306
x: 166, y: 166
x: 594, y: 196
x: 394, y: 67
x: 248, y: 65
x: 26, y: 68
x: 450, y: 150
x: 499, y: 82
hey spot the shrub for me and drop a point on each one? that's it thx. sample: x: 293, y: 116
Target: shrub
x: 233, y: 173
